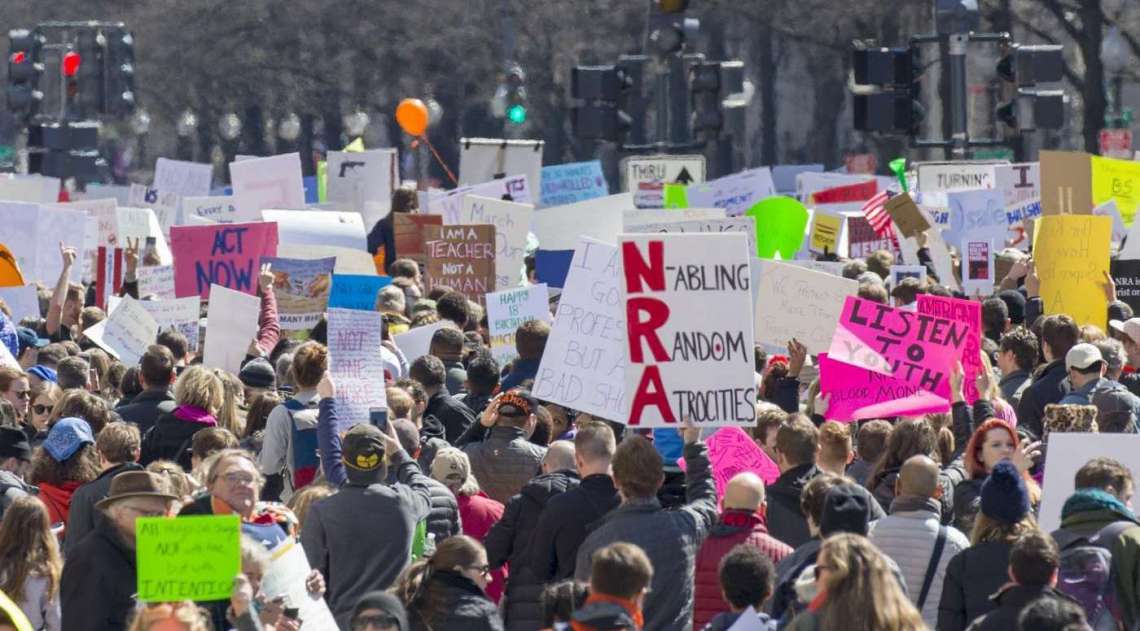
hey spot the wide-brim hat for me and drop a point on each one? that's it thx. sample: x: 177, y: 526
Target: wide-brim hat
x: 135, y: 484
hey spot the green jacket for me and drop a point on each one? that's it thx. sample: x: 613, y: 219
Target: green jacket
x: 1125, y: 552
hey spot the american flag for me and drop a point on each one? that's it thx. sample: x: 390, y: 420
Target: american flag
x: 875, y: 211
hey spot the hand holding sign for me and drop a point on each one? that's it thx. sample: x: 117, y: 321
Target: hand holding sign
x: 265, y: 278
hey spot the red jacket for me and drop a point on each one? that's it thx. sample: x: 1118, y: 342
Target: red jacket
x: 477, y: 514
x: 733, y: 527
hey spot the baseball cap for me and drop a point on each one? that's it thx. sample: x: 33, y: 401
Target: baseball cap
x: 29, y: 339
x: 363, y: 448
x: 14, y: 444
x: 44, y: 373
x: 1082, y: 356
x: 1129, y: 327
x: 517, y: 403
x: 451, y: 466
x: 66, y: 437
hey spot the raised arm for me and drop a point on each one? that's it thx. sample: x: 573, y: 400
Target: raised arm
x: 59, y: 295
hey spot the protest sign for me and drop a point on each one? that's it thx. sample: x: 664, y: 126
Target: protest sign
x: 164, y: 205
x: 182, y: 178
x: 862, y: 240
x: 743, y: 225
x: 232, y: 321
x: 583, y: 366
x: 845, y: 194
x: 449, y: 204
x: 512, y: 223
x: 825, y: 232
x: 977, y: 264
x: 287, y: 577
x: 1066, y: 182
x: 355, y: 364
x: 1068, y: 453
x: 975, y: 213
x: 907, y: 215
x: 224, y: 254
x: 808, y: 183
x: 22, y: 300
x: 856, y: 394
x: 968, y: 312
x: 348, y: 261
x: 188, y: 558
x: 483, y: 159
x: 216, y: 208
x: 180, y: 313
x: 675, y: 196
x: 1112, y: 211
x: 55, y: 224
x: 1125, y: 273
x: 1071, y: 254
x: 558, y: 228
x: 834, y: 268
x: 732, y: 451
x: 106, y: 219
x: 735, y: 193
x: 506, y: 310
x: 1117, y: 180
x: 141, y: 224
x: 631, y: 219
x: 156, y: 280
x: 784, y: 176
x: 573, y: 182
x: 1020, y: 185
x: 319, y: 227
x: 262, y: 183
x: 362, y: 181
x: 127, y: 331
x: 302, y: 290
x: 899, y: 272
x: 416, y: 342
x: 796, y: 302
x: 914, y: 347
x: 645, y: 177
x: 31, y: 188
x: 461, y: 258
x: 959, y: 175
x: 689, y: 329
x: 780, y: 226
x: 356, y: 291
x: 410, y: 236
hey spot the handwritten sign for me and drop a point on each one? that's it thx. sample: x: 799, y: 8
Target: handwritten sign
x: 825, y: 230
x: 583, y: 366
x: 356, y: 291
x: 574, y: 182
x: 508, y: 309
x: 1072, y: 255
x: 286, y: 577
x: 129, y: 330
x: 462, y: 258
x: 795, y: 302
x: 156, y: 280
x: 216, y: 208
x: 1117, y: 180
x: 855, y: 394
x: 355, y: 364
x: 232, y: 321
x: 735, y: 193
x: 449, y: 204
x: 261, y: 183
x: 732, y: 451
x: 302, y: 290
x: 410, y: 237
x: 512, y: 223
x: 181, y: 314
x: 968, y: 312
x: 187, y: 558
x: 223, y: 254
x: 688, y: 300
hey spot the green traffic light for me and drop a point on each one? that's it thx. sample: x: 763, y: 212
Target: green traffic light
x: 516, y: 114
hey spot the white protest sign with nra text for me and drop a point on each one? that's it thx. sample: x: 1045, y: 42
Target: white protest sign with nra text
x: 688, y: 300
x: 646, y: 176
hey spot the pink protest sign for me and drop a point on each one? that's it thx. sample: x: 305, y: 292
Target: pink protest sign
x: 223, y: 254
x: 916, y: 348
x: 855, y: 394
x: 968, y: 312
x: 731, y: 451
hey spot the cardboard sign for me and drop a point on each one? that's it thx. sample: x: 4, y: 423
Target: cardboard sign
x: 262, y: 183
x: 225, y: 254
x: 1066, y: 182
x: 1125, y: 273
x: 355, y: 291
x: 164, y: 204
x: 688, y: 299
x: 187, y: 558
x: 1072, y: 257
x: 796, y: 302
x: 968, y: 312
x: 583, y: 366
x: 232, y: 323
x: 780, y: 226
x: 1117, y: 180
x: 914, y: 347
x: 906, y: 215
x: 646, y: 176
x: 1067, y: 454
x: 362, y: 181
x: 574, y: 182
x: 743, y: 225
x: 416, y: 342
x: 506, y: 310
x: 319, y: 227
x: 302, y: 290
x: 129, y: 329
x: 855, y: 394
x: 182, y: 314
x: 461, y: 258
x: 449, y: 204
x: 216, y: 208
x: 512, y: 224
x: 355, y: 364
x: 825, y: 230
x: 558, y: 228
x: 106, y: 219
x: 410, y: 229
x: 955, y: 176
x: 156, y: 280
x: 732, y: 451
x: 22, y: 300
x: 735, y: 193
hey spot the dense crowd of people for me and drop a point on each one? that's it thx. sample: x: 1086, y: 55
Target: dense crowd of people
x: 478, y: 506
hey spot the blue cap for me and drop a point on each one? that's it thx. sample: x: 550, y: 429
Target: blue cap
x: 44, y: 373
x: 29, y: 339
x: 66, y: 437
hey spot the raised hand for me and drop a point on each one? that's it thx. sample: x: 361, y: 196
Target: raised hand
x: 265, y: 278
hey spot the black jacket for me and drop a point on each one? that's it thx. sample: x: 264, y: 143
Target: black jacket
x: 464, y: 607
x: 146, y: 408
x: 785, y: 521
x: 169, y: 439
x: 97, y: 589
x: 443, y: 520
x: 564, y: 524
x: 972, y: 576
x: 1045, y: 389
x: 510, y: 541
x: 12, y: 487
x: 1010, y: 600
x: 81, y: 515
x: 451, y: 413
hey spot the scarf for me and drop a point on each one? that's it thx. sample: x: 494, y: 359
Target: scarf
x: 58, y: 499
x: 1094, y: 499
x: 195, y: 415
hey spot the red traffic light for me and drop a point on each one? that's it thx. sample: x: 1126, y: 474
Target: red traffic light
x: 18, y: 57
x: 71, y: 61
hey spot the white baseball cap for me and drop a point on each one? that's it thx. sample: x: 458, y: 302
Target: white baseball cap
x: 1130, y: 327
x: 1082, y: 356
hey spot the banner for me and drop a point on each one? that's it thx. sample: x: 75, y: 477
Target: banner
x: 574, y: 182
x: 968, y: 312
x: 583, y: 366
x: 262, y: 183
x: 225, y: 254
x: 183, y: 314
x: 187, y: 558
x: 302, y: 290
x: 1071, y: 254
x: 856, y: 394
x: 506, y: 310
x: 688, y: 301
x: 795, y: 302
x: 232, y: 322
x: 743, y: 225
x: 356, y: 291
x: 735, y: 193
x: 512, y: 224
x: 461, y: 258
x: 355, y: 364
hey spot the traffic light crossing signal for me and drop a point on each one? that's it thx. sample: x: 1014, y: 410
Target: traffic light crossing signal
x: 710, y: 84
x: 1029, y: 108
x: 610, y: 98
x: 888, y: 98
x: 25, y: 68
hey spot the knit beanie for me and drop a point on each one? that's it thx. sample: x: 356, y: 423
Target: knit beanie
x: 1004, y: 495
x: 845, y: 509
x: 385, y: 602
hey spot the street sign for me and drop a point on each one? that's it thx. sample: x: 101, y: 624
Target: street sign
x: 956, y: 176
x: 646, y: 176
x: 1116, y: 143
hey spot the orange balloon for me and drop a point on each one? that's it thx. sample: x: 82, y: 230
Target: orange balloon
x: 412, y: 115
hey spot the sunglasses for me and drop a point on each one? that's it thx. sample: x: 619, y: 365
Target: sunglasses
x: 483, y: 569
x: 41, y: 409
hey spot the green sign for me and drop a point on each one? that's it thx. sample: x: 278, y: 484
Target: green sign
x: 780, y: 226
x: 675, y: 196
x: 187, y: 558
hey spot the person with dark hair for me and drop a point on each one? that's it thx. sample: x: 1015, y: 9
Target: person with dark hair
x: 530, y: 342
x: 502, y: 459
x: 797, y: 442
x: 66, y: 461
x: 995, y: 318
x: 559, y: 600
x: 1052, y: 614
x: 379, y: 611
x: 452, y: 306
x: 156, y: 374
x: 915, y: 437
x: 15, y: 464
x: 446, y: 592
x: 746, y: 575
x: 1059, y: 333
x: 119, y: 447
x: 451, y: 415
x: 176, y: 343
x: 620, y: 576
x: 447, y: 345
x: 482, y: 382
x: 382, y: 236
x: 1034, y: 562
x: 73, y: 373
x: 1017, y: 359
x: 870, y: 443
x: 443, y: 521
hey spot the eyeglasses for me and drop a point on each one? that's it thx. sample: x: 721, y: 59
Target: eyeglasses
x: 379, y: 621
x: 41, y: 409
x: 239, y: 478
x: 485, y: 570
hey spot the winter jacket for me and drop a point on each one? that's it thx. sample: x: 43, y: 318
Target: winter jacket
x: 504, y: 462
x: 1045, y: 389
x: 82, y: 515
x: 450, y: 413
x: 475, y: 402
x: 724, y: 621
x: 785, y: 521
x: 478, y: 514
x: 170, y: 437
x: 376, y: 518
x: 971, y: 577
x: 510, y: 541
x: 443, y: 519
x: 734, y: 527
x: 669, y: 538
x: 146, y: 408
x: 276, y: 455
x: 787, y: 571
x: 564, y: 524
x: 884, y: 491
x: 11, y: 487
x: 521, y: 370
x: 859, y: 470
x: 967, y: 503
x: 907, y: 535
x: 99, y: 581
x: 463, y: 606
x: 42, y: 612
x: 1008, y: 603
x: 1013, y: 386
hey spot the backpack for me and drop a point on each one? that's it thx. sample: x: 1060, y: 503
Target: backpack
x: 1086, y: 573
x: 305, y: 460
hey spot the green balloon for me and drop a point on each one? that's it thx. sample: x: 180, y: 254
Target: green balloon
x: 780, y: 226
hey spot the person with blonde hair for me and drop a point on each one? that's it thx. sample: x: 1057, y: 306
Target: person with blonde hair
x: 306, y: 497
x: 199, y: 395
x: 229, y: 414
x: 170, y: 616
x: 30, y: 563
x: 856, y: 590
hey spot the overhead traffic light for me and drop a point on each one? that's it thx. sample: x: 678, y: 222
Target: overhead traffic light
x: 710, y: 84
x: 65, y: 149
x: 25, y: 67
x: 1028, y: 108
x: 610, y: 99
x: 886, y: 99
x: 516, y: 99
x: 119, y: 73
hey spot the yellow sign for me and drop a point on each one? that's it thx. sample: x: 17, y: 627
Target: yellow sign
x: 825, y: 232
x: 1119, y: 180
x: 1071, y: 255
